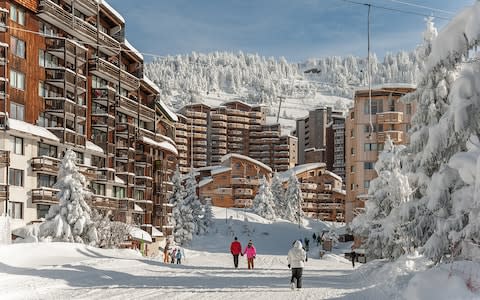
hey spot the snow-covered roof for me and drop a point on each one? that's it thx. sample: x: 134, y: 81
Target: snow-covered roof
x: 205, y: 181
x: 386, y: 86
x: 134, y: 50
x: 284, y: 176
x: 220, y: 169
x: 239, y: 156
x: 236, y: 101
x: 333, y: 175
x: 156, y: 232
x: 3, y: 44
x: 164, y: 145
x: 94, y: 147
x: 119, y: 180
x: 170, y: 114
x: 151, y: 83
x: 112, y: 10
x: 139, y: 234
x: 34, y: 130
x: 137, y: 207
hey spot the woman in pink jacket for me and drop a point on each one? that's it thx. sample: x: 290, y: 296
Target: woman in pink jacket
x: 251, y: 253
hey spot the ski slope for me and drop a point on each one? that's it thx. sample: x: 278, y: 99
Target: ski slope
x: 74, y: 271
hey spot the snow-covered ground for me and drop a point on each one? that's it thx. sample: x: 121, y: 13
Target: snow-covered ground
x: 75, y: 271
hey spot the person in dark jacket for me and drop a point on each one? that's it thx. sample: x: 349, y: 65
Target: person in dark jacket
x: 354, y: 256
x: 235, y: 249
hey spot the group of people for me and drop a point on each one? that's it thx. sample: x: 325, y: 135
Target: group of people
x: 172, y: 254
x: 236, y: 250
x: 297, y: 256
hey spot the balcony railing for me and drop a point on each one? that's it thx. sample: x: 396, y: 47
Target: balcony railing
x: 59, y: 46
x: 141, y: 158
x: 396, y: 136
x: 104, y: 94
x: 4, y: 157
x: 391, y: 117
x: 103, y: 202
x: 103, y: 120
x: 125, y: 129
x: 87, y: 7
x: 244, y: 192
x: 59, y: 75
x: 4, y: 192
x: 56, y: 15
x: 246, y: 181
x: 44, y: 196
x: 243, y: 203
x: 110, y: 72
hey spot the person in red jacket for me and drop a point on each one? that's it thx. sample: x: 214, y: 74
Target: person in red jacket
x: 235, y: 249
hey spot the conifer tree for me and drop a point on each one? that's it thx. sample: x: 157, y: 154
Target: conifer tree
x: 294, y: 199
x: 263, y: 203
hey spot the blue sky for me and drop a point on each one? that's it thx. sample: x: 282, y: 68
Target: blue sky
x: 295, y: 29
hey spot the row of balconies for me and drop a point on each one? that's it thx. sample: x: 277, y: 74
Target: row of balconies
x: 182, y: 147
x: 245, y: 181
x: 68, y: 136
x: 237, y: 126
x: 195, y: 114
x: 265, y: 134
x: 60, y: 106
x: 181, y: 141
x: 199, y: 150
x: 221, y: 124
x: 56, y: 15
x: 218, y: 117
x: 326, y: 206
x: 221, y: 138
x: 221, y: 131
x: 234, y: 119
x: 181, y: 133
x: 201, y: 122
x: 219, y: 151
x: 241, y: 203
x: 391, y: 117
x: 181, y: 126
x: 200, y: 143
x: 112, y: 73
x: 217, y: 144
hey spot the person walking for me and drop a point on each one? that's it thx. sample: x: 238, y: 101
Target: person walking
x: 179, y: 255
x: 354, y: 256
x: 166, y: 253
x: 296, y: 260
x: 173, y: 255
x: 251, y: 253
x: 236, y: 250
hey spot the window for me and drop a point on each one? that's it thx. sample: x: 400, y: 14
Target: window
x: 42, y: 210
x: 366, y: 184
x: 47, y: 29
x: 376, y: 128
x: 370, y: 147
x: 408, y: 108
x: 97, y: 161
x: 139, y: 195
x: 352, y: 133
x: 42, y: 120
x: 98, y: 189
x: 15, y: 177
x: 17, y: 47
x: 41, y: 58
x: 391, y: 104
x: 368, y: 165
x: 17, y: 79
x: 377, y: 106
x: 352, y: 186
x: 79, y: 157
x: 16, y: 209
x: 41, y: 89
x: 17, y: 14
x: 18, y: 145
x: 119, y: 192
x: 380, y: 147
x: 352, y: 151
x: 47, y: 60
x: 352, y: 169
x: 17, y: 111
x: 44, y: 180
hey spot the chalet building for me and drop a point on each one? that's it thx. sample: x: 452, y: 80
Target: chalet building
x: 233, y: 183
x: 322, y: 192
x: 364, y: 140
x: 234, y: 127
x: 70, y: 79
x: 321, y: 138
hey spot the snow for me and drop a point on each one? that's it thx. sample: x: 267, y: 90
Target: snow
x: 34, y: 130
x: 119, y: 180
x: 112, y: 10
x: 239, y: 156
x: 205, y: 181
x: 156, y: 232
x: 151, y: 83
x: 93, y: 147
x: 284, y: 176
x: 77, y: 271
x: 164, y: 145
x: 386, y: 86
x: 167, y: 110
x: 134, y: 50
x: 139, y: 234
x: 220, y: 169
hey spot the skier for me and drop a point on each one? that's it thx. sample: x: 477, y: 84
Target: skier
x: 179, y: 255
x: 296, y: 260
x: 235, y: 249
x: 251, y: 253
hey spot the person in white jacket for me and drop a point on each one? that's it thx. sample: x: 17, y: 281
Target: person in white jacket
x: 296, y: 260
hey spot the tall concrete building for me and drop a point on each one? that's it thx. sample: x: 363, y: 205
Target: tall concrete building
x: 321, y: 139
x: 234, y: 127
x: 364, y: 140
x: 70, y: 79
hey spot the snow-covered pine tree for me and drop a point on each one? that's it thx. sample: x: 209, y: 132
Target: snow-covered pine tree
x: 278, y: 193
x: 110, y: 233
x: 191, y: 200
x: 263, y: 203
x: 442, y: 126
x: 294, y: 200
x: 70, y: 220
x: 178, y: 193
x: 208, y: 216
x: 381, y: 224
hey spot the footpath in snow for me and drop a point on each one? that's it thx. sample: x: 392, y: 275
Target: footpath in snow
x: 74, y: 271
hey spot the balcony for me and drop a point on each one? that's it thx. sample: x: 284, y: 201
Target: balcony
x: 195, y: 114
x: 181, y: 148
x: 4, y: 192
x: 220, y: 131
x: 222, y: 138
x: 105, y: 174
x: 396, y: 136
x: 218, y: 117
x: 143, y: 182
x: 63, y: 48
x: 45, y: 164
x: 236, y: 132
x: 57, y: 16
x: 125, y: 129
x: 220, y: 124
x: 181, y: 133
x: 308, y: 186
x: 44, y: 196
x: 199, y: 143
x: 234, y: 119
x: 391, y: 117
x: 128, y: 105
x: 60, y: 106
x: 87, y: 7
x: 245, y: 181
x: 223, y: 191
x: 219, y: 151
x: 234, y: 139
x: 62, y: 77
x: 181, y: 126
x: 244, y: 192
x: 199, y: 156
x: 112, y: 73
x: 68, y: 136
x: 103, y: 121
x: 181, y: 141
x: 199, y: 150
x: 202, y: 136
x: 4, y: 158
x: 103, y: 202
x: 125, y: 154
x: 200, y: 122
x: 104, y: 96
x: 237, y: 126
x: 143, y: 159
x: 241, y: 203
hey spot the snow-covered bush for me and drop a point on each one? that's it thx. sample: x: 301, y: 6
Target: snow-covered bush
x: 110, y: 233
x: 70, y: 220
x: 208, y: 216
